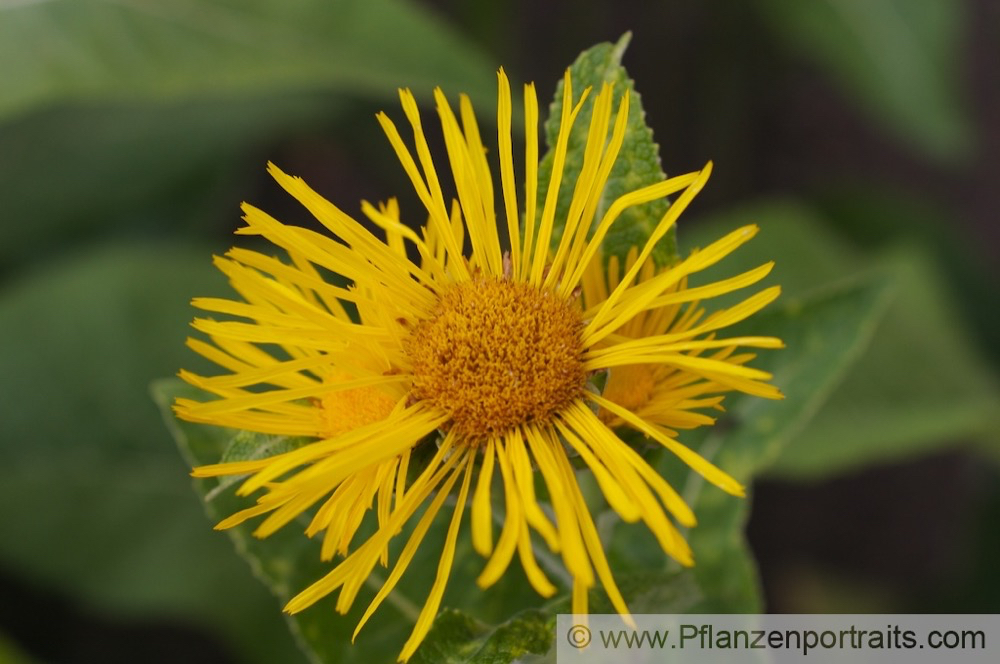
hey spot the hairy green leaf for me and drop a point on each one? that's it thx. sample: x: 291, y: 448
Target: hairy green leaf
x: 885, y: 409
x: 638, y: 163
x: 121, y: 113
x: 824, y: 336
x: 458, y: 638
x: 922, y: 384
x: 246, y: 446
x: 86, y: 50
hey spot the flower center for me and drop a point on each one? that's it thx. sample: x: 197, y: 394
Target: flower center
x: 495, y: 354
x: 346, y: 410
x: 630, y: 386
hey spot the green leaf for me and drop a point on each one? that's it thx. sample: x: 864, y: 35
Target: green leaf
x: 84, y: 459
x: 824, y: 335
x: 459, y: 638
x: 75, y: 171
x: 247, y: 446
x: 884, y: 410
x: 879, y: 217
x: 638, y: 163
x: 120, y: 113
x: 84, y: 50
x: 922, y: 384
x: 899, y: 59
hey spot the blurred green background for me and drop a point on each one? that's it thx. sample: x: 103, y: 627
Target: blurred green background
x: 862, y: 135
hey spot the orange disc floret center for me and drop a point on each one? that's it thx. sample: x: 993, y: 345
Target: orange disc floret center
x: 630, y: 386
x: 495, y: 354
x: 346, y: 410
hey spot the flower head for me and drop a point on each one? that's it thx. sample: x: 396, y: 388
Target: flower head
x: 486, y: 356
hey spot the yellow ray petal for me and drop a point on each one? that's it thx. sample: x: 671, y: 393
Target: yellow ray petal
x: 587, y: 185
x: 592, y: 540
x: 429, y: 192
x: 638, y: 197
x: 364, y: 445
x: 714, y: 289
x: 356, y: 567
x: 615, y: 494
x: 578, y: 603
x: 637, y: 351
x: 530, y: 174
x: 545, y: 224
x: 480, y: 224
x: 524, y: 479
x: 567, y: 287
x: 697, y: 463
x: 433, y: 601
x: 673, y: 213
x: 506, y: 151
x: 526, y: 553
x: 415, y: 539
x: 631, y: 300
x: 482, y: 520
x: 514, y: 535
x: 507, y: 544
x: 609, y: 447
x: 574, y: 554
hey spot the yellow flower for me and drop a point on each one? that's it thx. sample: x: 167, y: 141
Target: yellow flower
x: 485, y: 355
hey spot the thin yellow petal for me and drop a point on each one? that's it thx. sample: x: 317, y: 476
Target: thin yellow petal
x: 414, y: 541
x: 385, y: 494
x: 609, y: 447
x: 507, y: 544
x: 615, y: 494
x: 433, y: 601
x: 593, y: 541
x: 355, y: 449
x: 506, y: 150
x: 638, y: 197
x: 526, y: 553
x: 524, y: 479
x: 697, y: 463
x: 530, y: 175
x: 714, y: 289
x: 587, y: 185
x: 673, y: 213
x: 354, y: 569
x: 578, y: 603
x: 567, y: 286
x: 573, y: 550
x: 545, y: 224
x: 430, y: 191
x: 613, y: 314
x: 482, y: 519
x: 471, y: 191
